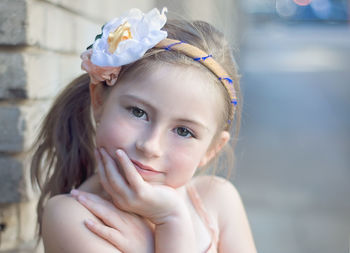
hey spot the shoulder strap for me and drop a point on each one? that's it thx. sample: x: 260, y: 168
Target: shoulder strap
x: 203, y: 214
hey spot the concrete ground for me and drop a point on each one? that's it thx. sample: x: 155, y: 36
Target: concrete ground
x: 293, y: 156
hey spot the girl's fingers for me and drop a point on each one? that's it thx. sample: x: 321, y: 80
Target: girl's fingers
x: 93, y: 197
x: 133, y: 177
x: 113, y: 176
x: 100, y: 169
x: 111, y: 235
x: 102, y: 174
x: 102, y: 209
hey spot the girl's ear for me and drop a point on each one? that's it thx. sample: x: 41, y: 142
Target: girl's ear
x: 222, y: 139
x: 96, y: 96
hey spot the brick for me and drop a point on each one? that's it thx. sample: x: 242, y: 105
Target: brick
x: 10, y: 178
x: 20, y: 222
x: 103, y: 10
x: 19, y: 124
x: 11, y: 128
x: 48, y: 25
x: 35, y: 74
x: 15, y: 184
x: 72, y: 28
x: 49, y: 72
x: 57, y: 29
x: 13, y: 24
x: 33, y: 115
x: 12, y: 75
x: 38, y: 23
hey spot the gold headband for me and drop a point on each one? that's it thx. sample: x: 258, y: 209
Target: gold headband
x: 205, y: 59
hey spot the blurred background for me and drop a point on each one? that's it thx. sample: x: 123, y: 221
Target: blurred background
x: 292, y: 158
x: 293, y: 165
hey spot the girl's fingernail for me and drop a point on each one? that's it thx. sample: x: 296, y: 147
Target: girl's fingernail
x: 82, y: 199
x: 119, y: 152
x: 74, y: 192
x: 89, y: 222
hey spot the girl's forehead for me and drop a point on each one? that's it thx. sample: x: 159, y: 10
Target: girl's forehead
x: 167, y: 74
x: 169, y: 80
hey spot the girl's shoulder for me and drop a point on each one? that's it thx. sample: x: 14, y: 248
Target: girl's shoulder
x: 214, y: 188
x: 219, y: 196
x: 63, y: 228
x: 62, y: 206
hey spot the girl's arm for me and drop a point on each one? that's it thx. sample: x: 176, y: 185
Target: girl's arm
x: 235, y: 233
x: 63, y: 228
x: 175, y: 233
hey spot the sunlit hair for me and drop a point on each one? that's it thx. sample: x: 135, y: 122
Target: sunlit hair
x: 64, y: 149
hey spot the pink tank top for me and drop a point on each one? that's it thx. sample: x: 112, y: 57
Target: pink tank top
x: 203, y: 214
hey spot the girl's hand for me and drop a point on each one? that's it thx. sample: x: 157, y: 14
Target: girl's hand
x: 126, y: 231
x: 131, y: 193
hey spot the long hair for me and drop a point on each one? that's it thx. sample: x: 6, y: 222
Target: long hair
x: 64, y: 155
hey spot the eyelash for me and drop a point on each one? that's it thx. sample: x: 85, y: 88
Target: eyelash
x: 188, y: 131
x: 134, y: 109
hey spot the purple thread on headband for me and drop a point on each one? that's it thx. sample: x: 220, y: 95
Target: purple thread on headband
x: 169, y: 46
x: 203, y: 58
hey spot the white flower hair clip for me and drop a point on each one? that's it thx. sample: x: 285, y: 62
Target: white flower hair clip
x: 123, y: 40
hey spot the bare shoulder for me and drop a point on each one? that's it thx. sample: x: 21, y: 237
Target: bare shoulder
x: 63, y: 228
x: 216, y: 191
x: 224, y: 202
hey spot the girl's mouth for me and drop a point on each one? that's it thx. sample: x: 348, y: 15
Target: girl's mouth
x: 144, y: 168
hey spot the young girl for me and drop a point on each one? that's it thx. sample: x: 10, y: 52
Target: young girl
x: 117, y: 152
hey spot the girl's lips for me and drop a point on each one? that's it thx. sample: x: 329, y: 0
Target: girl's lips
x: 144, y: 167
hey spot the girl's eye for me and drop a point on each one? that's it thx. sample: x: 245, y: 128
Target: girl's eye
x: 137, y: 112
x: 184, y: 132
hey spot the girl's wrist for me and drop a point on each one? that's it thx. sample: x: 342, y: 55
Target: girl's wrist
x: 179, y: 213
x: 175, y: 232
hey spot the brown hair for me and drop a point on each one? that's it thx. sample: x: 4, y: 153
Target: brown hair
x: 63, y: 152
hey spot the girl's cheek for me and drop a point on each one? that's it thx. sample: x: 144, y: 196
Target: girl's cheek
x: 114, y: 133
x: 185, y: 158
x: 188, y: 156
x: 183, y: 166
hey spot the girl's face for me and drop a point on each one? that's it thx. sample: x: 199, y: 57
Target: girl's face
x: 165, y: 122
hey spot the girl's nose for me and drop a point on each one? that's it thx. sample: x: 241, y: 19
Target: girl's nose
x: 149, y: 144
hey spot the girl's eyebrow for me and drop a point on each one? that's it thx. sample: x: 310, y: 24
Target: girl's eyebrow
x: 197, y: 123
x: 140, y: 100
x: 152, y: 107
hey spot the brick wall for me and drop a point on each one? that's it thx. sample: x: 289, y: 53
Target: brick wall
x: 40, y: 43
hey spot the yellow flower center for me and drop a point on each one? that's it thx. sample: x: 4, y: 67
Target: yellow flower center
x: 121, y: 33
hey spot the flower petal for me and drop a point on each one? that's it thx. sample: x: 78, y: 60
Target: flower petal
x: 145, y: 31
